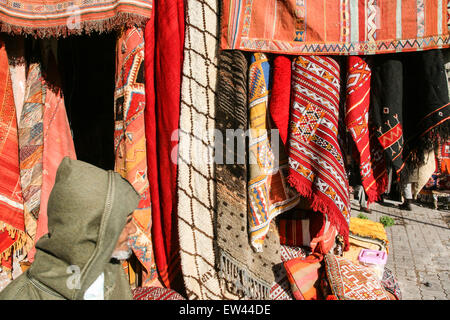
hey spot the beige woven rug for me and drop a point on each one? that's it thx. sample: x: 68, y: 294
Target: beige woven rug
x: 196, y: 186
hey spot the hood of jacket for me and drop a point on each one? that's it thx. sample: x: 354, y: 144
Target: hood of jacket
x: 87, y: 211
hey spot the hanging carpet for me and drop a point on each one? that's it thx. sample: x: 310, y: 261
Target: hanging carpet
x: 164, y: 59
x: 410, y: 106
x: 12, y: 223
x: 31, y: 145
x: 353, y: 27
x: 53, y: 18
x: 316, y: 166
x: 269, y: 194
x: 129, y: 141
x: 372, y: 165
x: 196, y: 183
x: 57, y: 141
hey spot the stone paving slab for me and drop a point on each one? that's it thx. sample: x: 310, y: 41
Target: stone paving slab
x: 419, y: 248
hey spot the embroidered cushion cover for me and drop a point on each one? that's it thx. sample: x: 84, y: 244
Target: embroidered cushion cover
x: 350, y: 281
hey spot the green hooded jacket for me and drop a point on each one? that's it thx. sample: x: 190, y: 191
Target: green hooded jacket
x: 87, y: 211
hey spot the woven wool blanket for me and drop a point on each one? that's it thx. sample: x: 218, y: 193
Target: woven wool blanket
x: 31, y: 148
x: 247, y: 274
x: 129, y: 141
x: 12, y: 223
x: 372, y: 165
x: 355, y: 27
x: 410, y: 107
x: 54, y: 18
x: 316, y: 166
x: 269, y: 194
x: 196, y: 180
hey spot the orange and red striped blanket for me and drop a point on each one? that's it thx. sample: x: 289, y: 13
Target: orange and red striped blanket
x: 334, y: 26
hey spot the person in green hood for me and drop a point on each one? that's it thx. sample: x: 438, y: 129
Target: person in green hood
x: 89, y: 221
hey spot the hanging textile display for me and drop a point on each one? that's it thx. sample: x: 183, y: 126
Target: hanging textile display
x: 387, y: 109
x: 334, y: 26
x: 31, y: 146
x: 57, y: 141
x: 61, y: 18
x: 245, y: 273
x: 372, y: 165
x: 315, y: 159
x: 12, y: 223
x: 129, y: 141
x: 167, y: 58
x: 268, y: 191
x: 410, y: 106
x: 196, y: 181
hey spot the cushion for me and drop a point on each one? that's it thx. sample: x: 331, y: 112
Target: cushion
x: 281, y: 289
x: 155, y: 293
x: 304, y: 276
x: 350, y: 281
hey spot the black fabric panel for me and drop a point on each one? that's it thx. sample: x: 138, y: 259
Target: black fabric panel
x: 88, y: 71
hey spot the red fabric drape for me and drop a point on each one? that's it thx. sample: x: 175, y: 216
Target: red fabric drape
x: 164, y: 39
x: 280, y: 95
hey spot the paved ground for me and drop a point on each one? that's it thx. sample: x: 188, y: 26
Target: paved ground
x: 419, y: 249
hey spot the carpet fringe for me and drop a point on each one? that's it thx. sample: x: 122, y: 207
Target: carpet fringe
x: 117, y: 22
x: 18, y: 245
x: 240, y: 282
